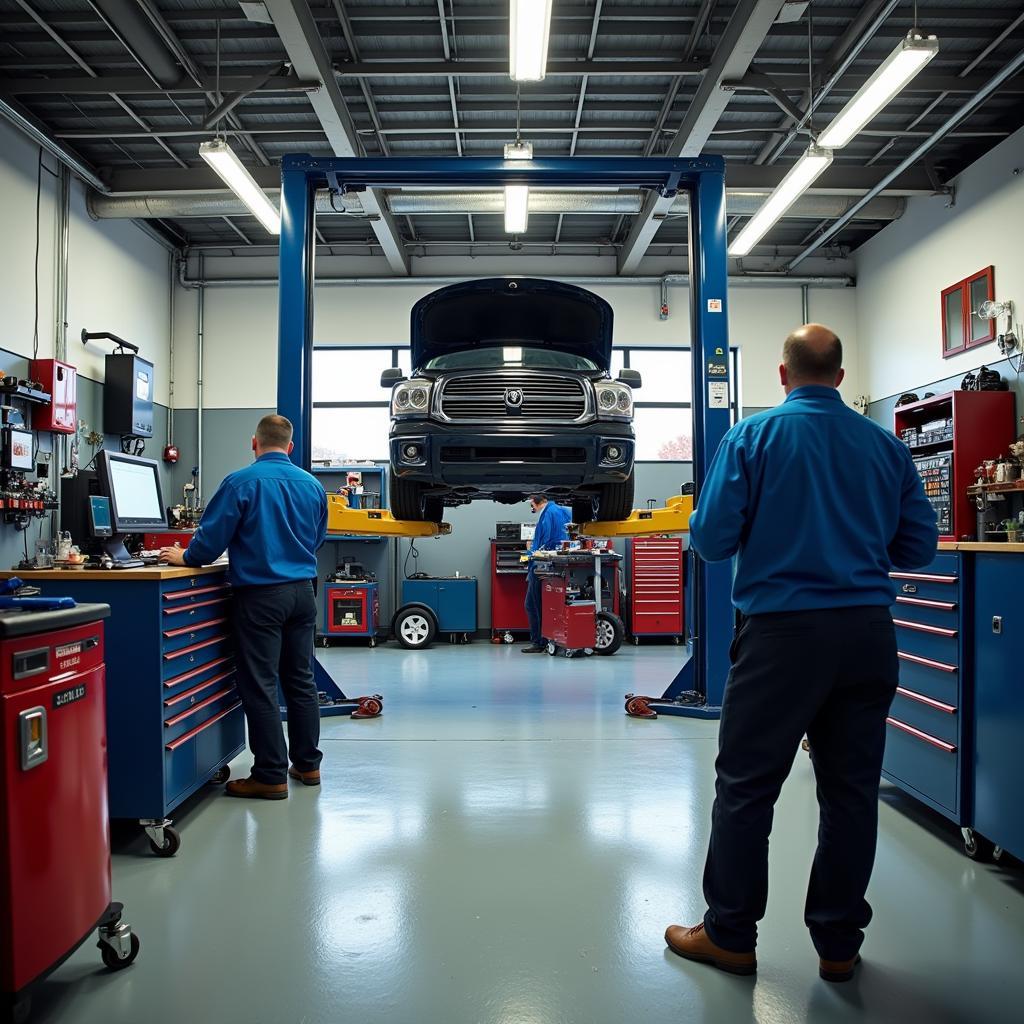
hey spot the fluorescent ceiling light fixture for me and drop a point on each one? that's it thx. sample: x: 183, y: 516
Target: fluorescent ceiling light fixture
x: 891, y: 76
x: 517, y: 202
x: 792, y: 186
x: 219, y: 156
x: 518, y: 150
x: 529, y: 31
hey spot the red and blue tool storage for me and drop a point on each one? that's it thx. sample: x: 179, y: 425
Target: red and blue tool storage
x: 55, y: 888
x: 351, y: 609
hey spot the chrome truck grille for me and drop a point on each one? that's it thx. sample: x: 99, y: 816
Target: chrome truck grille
x: 533, y: 397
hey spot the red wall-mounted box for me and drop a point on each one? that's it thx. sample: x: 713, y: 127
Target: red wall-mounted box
x: 61, y: 381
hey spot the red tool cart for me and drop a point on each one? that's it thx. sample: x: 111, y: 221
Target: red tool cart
x: 576, y: 615
x: 655, y: 587
x: 508, y: 589
x: 54, y: 832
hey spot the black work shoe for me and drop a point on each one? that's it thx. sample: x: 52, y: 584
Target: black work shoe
x: 534, y: 649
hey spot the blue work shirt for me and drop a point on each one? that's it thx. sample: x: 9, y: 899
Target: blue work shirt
x: 550, y: 530
x: 271, y: 517
x: 818, y: 503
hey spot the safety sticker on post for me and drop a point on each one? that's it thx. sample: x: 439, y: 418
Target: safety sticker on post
x: 714, y: 305
x: 718, y: 395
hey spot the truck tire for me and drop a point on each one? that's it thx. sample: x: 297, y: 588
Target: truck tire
x: 615, y: 501
x: 406, y: 498
x: 582, y: 510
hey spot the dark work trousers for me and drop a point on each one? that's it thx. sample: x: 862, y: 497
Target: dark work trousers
x: 533, y: 608
x: 832, y: 675
x: 274, y: 628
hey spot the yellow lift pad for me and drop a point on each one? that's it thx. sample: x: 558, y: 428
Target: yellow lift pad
x: 375, y: 522
x: 647, y: 522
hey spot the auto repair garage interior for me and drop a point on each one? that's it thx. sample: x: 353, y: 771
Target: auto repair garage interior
x: 498, y: 838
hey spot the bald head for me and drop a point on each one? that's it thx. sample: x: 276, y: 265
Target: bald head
x: 812, y: 354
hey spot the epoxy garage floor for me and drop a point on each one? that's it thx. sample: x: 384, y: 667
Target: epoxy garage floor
x: 504, y: 846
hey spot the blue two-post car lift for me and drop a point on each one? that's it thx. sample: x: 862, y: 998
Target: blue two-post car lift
x: 711, y: 619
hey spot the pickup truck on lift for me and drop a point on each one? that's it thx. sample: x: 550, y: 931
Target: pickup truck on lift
x: 510, y: 395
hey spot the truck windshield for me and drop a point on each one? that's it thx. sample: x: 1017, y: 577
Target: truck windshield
x: 510, y: 357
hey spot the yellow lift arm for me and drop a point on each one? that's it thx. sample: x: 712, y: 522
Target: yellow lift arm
x: 371, y: 522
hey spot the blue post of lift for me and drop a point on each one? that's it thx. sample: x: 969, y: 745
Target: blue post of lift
x: 703, y: 178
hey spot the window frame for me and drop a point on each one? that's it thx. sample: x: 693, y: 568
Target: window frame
x: 987, y: 274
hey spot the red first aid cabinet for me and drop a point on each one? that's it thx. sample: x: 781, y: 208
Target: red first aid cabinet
x: 54, y: 831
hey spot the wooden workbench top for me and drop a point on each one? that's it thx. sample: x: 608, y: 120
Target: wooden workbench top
x: 1002, y: 549
x: 146, y: 573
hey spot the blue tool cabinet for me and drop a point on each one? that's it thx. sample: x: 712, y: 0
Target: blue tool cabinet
x: 998, y: 812
x: 926, y: 729
x: 452, y: 599
x: 174, y: 718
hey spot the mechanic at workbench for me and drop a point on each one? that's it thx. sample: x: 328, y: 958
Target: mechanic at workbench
x: 548, y: 535
x: 818, y: 503
x: 272, y: 519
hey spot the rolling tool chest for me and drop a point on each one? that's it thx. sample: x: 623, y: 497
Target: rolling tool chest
x: 351, y: 609
x: 655, y: 587
x: 925, y: 729
x: 508, y: 588
x: 174, y: 717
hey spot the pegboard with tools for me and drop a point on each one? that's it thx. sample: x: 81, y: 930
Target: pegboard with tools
x: 24, y: 496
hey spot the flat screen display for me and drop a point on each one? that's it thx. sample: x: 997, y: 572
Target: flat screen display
x: 133, y: 486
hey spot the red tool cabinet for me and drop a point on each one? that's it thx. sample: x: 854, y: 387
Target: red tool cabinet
x: 656, y: 586
x: 569, y: 625
x: 508, y: 589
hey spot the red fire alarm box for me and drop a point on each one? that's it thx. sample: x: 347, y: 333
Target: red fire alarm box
x: 61, y: 381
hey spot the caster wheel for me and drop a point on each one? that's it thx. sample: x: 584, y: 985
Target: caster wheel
x: 113, y: 962
x: 221, y: 775
x: 977, y: 847
x: 508, y: 638
x: 588, y: 651
x: 552, y: 649
x: 636, y: 641
x: 322, y: 641
x: 171, y: 843
x: 373, y: 641
x: 677, y: 640
x: 567, y: 654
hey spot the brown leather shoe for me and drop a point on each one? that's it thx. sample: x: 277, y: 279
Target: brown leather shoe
x: 253, y: 788
x: 694, y: 944
x: 838, y: 970
x: 306, y: 778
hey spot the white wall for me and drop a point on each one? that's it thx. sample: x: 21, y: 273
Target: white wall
x: 903, y: 269
x: 118, y: 277
x: 240, y: 331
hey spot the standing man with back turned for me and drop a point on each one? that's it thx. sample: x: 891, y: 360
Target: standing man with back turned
x: 272, y: 518
x: 549, y: 532
x: 818, y: 504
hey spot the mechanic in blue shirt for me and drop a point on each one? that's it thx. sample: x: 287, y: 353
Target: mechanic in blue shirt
x: 272, y: 518
x: 548, y: 535
x: 817, y: 504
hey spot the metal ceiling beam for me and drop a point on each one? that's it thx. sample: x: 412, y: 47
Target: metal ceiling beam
x: 746, y: 31
x: 301, y: 38
x: 498, y: 68
x: 143, y: 85
x: 136, y: 33
x: 232, y: 99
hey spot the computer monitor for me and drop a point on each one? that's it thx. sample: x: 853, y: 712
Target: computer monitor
x: 132, y: 485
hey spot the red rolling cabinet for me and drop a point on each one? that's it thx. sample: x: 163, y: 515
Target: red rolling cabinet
x: 508, y: 588
x: 655, y: 587
x: 948, y: 436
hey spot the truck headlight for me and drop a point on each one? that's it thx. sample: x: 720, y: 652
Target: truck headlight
x: 614, y: 401
x: 410, y: 398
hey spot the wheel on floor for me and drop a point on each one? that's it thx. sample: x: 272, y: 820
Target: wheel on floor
x: 414, y: 627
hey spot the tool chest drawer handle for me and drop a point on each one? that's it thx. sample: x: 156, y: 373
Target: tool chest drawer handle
x: 181, y: 595
x: 930, y: 701
x: 196, y: 708
x: 204, y: 685
x: 178, y: 680
x: 922, y: 628
x: 193, y: 733
x: 192, y: 648
x: 169, y: 634
x: 921, y: 602
x: 923, y: 576
x: 918, y: 734
x: 927, y: 662
x: 191, y: 608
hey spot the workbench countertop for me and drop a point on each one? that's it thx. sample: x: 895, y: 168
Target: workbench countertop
x: 146, y: 572
x: 974, y: 545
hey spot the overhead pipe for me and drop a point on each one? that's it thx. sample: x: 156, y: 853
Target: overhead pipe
x: 136, y: 33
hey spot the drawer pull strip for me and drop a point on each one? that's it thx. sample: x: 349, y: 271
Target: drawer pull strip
x: 927, y: 662
x: 193, y: 733
x: 180, y: 595
x: 169, y: 634
x: 910, y: 730
x: 922, y: 602
x: 930, y: 701
x: 204, y: 685
x: 192, y: 607
x: 196, y: 708
x: 178, y: 680
x: 926, y: 577
x: 192, y: 648
x: 922, y: 628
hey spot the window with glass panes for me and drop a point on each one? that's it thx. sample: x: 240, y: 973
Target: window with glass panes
x: 351, y: 414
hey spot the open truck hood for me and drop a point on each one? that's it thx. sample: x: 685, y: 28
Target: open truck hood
x: 511, y: 311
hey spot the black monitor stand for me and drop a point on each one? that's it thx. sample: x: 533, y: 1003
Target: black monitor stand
x: 114, y: 548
